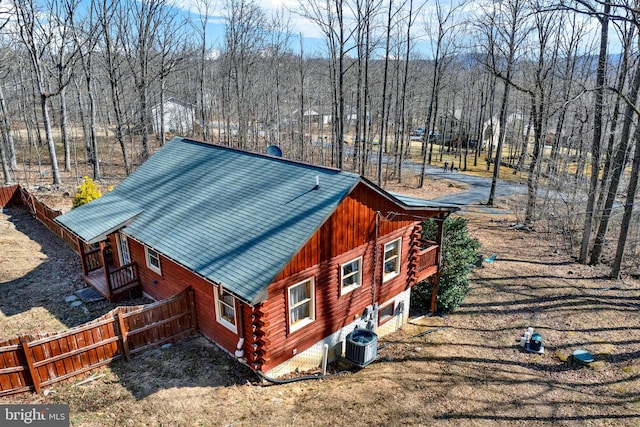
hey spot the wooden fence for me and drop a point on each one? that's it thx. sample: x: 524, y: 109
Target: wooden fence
x: 16, y: 195
x: 35, y: 362
x: 9, y: 195
x: 46, y: 216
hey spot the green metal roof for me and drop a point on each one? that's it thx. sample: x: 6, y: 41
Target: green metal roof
x: 411, y: 202
x: 233, y: 217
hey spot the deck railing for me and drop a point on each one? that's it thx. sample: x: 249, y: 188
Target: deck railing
x: 92, y: 260
x: 427, y: 256
x: 122, y: 277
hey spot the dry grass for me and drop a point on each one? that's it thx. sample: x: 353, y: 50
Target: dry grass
x: 473, y: 372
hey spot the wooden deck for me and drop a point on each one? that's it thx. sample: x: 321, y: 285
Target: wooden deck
x: 124, y: 283
x: 97, y: 280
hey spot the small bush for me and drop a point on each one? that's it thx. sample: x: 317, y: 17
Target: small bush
x: 87, y: 192
x: 460, y: 252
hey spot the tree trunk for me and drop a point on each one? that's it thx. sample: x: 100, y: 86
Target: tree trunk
x: 64, y: 137
x: 597, y: 133
x: 383, y: 117
x: 49, y: 137
x: 6, y: 129
x: 628, y: 210
x: 5, y: 165
x: 617, y: 166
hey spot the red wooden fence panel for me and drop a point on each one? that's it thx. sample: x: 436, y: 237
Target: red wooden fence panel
x: 9, y: 196
x: 34, y: 362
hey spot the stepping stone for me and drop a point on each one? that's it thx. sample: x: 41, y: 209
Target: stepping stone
x: 76, y: 303
x: 70, y: 298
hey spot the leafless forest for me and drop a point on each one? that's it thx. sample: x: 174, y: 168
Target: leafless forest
x: 544, y: 89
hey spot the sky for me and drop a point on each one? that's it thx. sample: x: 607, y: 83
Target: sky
x: 313, y: 39
x: 311, y: 33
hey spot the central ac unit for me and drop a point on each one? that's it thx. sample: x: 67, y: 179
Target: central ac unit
x: 362, y: 347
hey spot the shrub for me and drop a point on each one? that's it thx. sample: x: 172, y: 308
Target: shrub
x: 87, y: 191
x: 459, y: 254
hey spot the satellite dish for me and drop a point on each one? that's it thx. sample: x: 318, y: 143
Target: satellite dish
x: 274, y: 150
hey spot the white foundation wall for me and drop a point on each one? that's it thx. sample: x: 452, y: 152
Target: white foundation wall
x: 312, y: 357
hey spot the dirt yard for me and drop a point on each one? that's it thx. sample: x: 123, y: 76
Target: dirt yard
x: 464, y: 369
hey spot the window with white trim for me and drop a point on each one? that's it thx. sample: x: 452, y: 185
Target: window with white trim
x: 153, y: 260
x: 351, y: 275
x: 301, y: 305
x: 391, y: 259
x: 226, y: 310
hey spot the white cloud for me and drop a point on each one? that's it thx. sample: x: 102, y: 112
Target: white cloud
x: 287, y: 8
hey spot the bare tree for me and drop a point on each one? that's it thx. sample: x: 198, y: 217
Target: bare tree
x: 204, y: 9
x: 505, y: 34
x: 613, y: 168
x: 86, y: 38
x: 140, y: 29
x: 244, y: 40
x: 443, y: 47
x: 597, y: 130
x: 38, y: 32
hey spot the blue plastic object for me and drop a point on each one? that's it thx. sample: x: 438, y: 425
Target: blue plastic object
x: 583, y: 356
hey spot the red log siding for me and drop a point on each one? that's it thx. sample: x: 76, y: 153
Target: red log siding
x: 350, y: 226
x: 174, y: 279
x: 347, y: 234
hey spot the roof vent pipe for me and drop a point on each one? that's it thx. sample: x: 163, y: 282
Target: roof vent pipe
x: 317, y: 183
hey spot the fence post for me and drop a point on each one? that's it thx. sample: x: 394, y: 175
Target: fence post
x: 192, y: 304
x: 123, y: 334
x: 32, y: 370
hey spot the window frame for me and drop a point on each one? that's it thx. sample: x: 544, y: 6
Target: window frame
x: 299, y: 324
x: 346, y: 289
x: 148, y: 257
x: 124, y: 250
x: 388, y: 276
x: 382, y: 320
x: 233, y: 327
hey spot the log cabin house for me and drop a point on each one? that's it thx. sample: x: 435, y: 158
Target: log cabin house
x: 283, y: 257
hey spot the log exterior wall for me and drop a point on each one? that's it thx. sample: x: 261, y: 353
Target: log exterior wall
x: 173, y: 279
x: 360, y: 227
x: 351, y: 232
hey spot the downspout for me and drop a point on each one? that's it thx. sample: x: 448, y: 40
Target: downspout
x: 239, y: 353
x: 376, y: 255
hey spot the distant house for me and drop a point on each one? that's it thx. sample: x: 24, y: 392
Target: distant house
x: 283, y: 256
x: 491, y: 129
x: 178, y: 116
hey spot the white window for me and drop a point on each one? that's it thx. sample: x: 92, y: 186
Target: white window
x: 301, y: 305
x: 391, y: 259
x: 351, y: 275
x: 226, y: 310
x: 153, y: 260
